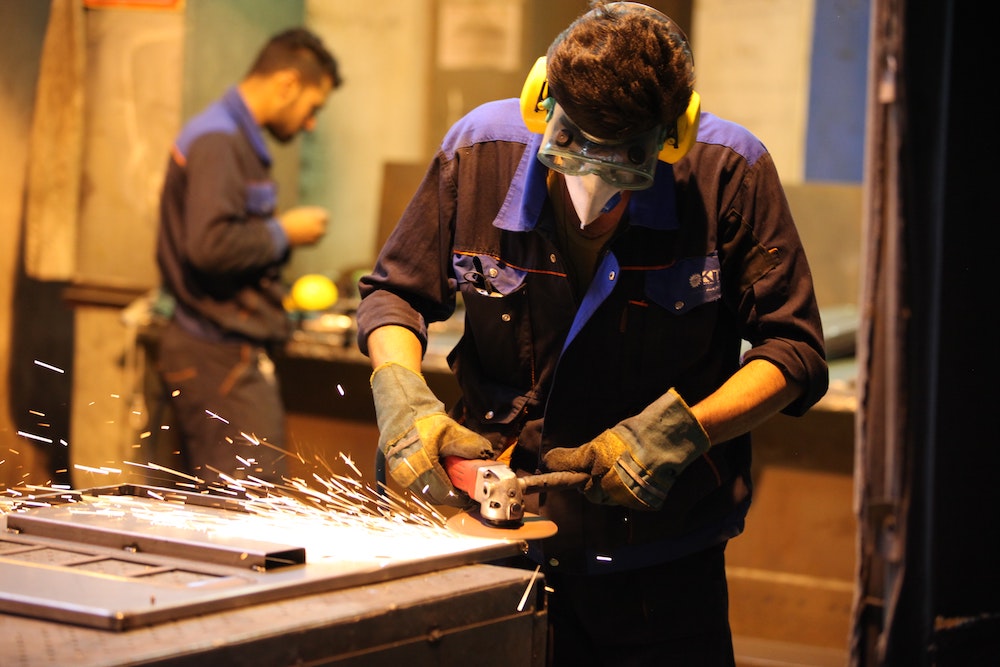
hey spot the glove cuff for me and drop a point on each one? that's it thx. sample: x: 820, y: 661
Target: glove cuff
x: 396, y: 389
x: 393, y: 365
x: 414, y: 431
x: 661, y: 442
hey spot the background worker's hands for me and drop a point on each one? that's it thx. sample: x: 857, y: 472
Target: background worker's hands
x: 304, y: 225
x: 635, y: 463
x: 415, y: 433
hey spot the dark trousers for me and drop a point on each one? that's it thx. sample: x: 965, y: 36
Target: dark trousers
x: 227, y: 405
x: 676, y: 613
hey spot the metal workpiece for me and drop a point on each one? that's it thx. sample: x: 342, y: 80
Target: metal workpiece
x: 114, y: 560
x: 120, y: 526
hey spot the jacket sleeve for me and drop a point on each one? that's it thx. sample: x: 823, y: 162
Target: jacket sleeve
x: 770, y: 277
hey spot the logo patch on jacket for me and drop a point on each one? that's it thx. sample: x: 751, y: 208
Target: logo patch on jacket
x: 688, y: 283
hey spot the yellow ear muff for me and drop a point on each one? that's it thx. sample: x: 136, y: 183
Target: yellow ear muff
x: 676, y: 147
x: 533, y: 93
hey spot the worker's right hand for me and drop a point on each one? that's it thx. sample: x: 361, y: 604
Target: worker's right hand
x: 415, y: 433
x: 634, y: 464
x: 304, y: 225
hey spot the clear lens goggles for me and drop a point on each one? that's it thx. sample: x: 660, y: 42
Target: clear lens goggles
x: 628, y: 165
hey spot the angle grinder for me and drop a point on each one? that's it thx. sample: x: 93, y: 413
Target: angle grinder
x: 500, y: 493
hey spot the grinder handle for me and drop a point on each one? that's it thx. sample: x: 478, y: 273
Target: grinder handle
x: 557, y: 480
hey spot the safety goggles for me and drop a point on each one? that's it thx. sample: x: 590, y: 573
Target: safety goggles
x: 628, y: 165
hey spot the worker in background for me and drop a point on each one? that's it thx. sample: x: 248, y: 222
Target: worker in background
x: 221, y: 247
x: 613, y: 246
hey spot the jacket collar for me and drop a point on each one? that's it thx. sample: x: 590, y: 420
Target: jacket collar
x: 237, y: 108
x: 654, y: 207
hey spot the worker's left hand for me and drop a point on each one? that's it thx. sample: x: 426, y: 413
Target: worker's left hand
x: 415, y: 434
x: 635, y: 463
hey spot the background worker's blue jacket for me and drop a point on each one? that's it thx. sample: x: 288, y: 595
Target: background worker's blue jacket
x: 220, y: 248
x: 709, y: 257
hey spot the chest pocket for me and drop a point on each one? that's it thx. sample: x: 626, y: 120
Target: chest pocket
x: 686, y: 284
x: 669, y: 324
x: 485, y: 276
x: 497, y: 322
x: 262, y: 197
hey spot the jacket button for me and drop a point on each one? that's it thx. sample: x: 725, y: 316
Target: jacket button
x: 552, y: 258
x: 678, y: 305
x: 505, y: 317
x: 489, y: 414
x: 611, y: 276
x: 493, y: 273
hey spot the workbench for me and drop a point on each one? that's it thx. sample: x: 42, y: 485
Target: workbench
x: 438, y: 618
x: 140, y: 576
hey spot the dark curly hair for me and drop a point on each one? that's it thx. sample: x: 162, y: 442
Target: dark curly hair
x: 621, y: 69
x: 301, y: 50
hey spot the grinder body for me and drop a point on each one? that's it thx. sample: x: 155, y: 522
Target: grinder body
x: 499, y: 491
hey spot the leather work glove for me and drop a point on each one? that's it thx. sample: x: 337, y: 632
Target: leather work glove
x: 415, y: 433
x: 635, y: 462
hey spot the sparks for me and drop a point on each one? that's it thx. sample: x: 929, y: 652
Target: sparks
x: 171, y: 471
x: 49, y: 366
x: 32, y: 436
x: 531, y: 582
x: 335, y: 517
x: 350, y: 462
x: 215, y: 416
x: 101, y: 471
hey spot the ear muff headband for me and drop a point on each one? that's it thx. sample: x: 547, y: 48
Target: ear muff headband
x: 535, y: 114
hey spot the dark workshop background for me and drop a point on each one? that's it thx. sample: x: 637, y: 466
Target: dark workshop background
x: 869, y: 527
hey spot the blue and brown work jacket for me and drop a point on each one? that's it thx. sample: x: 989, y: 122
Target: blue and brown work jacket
x: 220, y: 248
x: 707, y: 273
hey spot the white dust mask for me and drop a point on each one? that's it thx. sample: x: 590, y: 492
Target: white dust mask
x: 592, y: 196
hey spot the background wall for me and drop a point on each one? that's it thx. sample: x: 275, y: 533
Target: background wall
x: 795, y: 74
x: 378, y: 116
x: 33, y: 398
x: 791, y: 71
x: 410, y: 69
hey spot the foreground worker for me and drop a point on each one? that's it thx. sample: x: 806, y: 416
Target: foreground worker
x: 613, y: 246
x: 221, y: 247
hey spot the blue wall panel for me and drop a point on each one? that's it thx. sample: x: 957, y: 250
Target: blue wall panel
x: 837, y: 90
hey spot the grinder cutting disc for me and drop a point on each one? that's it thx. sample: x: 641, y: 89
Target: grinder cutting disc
x: 471, y: 523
